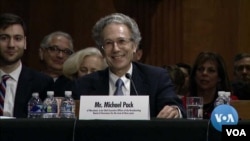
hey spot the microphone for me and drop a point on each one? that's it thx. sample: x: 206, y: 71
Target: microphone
x: 128, y: 76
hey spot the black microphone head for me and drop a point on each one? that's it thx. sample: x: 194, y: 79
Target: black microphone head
x: 128, y: 75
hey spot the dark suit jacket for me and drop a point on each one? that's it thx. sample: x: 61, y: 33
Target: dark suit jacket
x: 61, y: 85
x: 241, y: 90
x: 148, y: 80
x: 30, y: 81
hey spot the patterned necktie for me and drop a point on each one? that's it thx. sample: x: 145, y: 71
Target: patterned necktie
x: 2, y: 92
x: 118, y: 84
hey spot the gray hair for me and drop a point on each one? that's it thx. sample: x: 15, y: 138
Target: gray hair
x: 115, y: 18
x: 241, y: 56
x: 47, y: 39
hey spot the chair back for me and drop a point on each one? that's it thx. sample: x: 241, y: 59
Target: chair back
x: 242, y: 107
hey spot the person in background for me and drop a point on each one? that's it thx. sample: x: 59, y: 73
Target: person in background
x: 241, y: 82
x: 118, y: 35
x: 177, y: 77
x: 208, y: 76
x: 138, y: 54
x: 54, y: 50
x: 20, y: 81
x: 186, y: 69
x: 84, y: 62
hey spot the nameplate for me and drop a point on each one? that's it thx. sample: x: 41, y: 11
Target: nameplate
x: 114, y: 107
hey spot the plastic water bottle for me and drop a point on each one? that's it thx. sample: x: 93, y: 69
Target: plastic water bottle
x: 223, y: 98
x: 227, y: 95
x: 50, y: 106
x: 67, y: 109
x: 35, y: 106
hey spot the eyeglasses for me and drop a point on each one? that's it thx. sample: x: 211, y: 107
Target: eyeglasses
x: 55, y: 49
x: 121, y: 42
x: 242, y: 67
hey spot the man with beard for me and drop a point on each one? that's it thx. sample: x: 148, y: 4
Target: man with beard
x: 241, y: 83
x: 18, y: 81
x: 118, y: 35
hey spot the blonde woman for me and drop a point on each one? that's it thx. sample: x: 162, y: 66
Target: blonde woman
x: 84, y: 62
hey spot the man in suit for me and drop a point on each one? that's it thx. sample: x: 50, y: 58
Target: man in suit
x: 54, y: 49
x: 118, y: 36
x: 241, y: 82
x: 22, y: 81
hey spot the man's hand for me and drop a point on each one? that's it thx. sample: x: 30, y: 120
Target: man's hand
x: 169, y: 112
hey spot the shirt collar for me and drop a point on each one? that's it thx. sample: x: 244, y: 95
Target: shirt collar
x: 113, y: 78
x: 14, y: 74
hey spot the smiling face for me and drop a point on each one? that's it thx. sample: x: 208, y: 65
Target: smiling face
x: 12, y: 44
x: 54, y: 59
x: 118, y: 47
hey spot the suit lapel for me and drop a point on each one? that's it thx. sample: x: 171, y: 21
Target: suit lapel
x: 22, y: 90
x: 140, y: 83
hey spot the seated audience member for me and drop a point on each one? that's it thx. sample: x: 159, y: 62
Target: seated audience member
x: 18, y: 82
x: 118, y: 35
x: 241, y: 83
x: 138, y: 54
x: 177, y: 77
x: 186, y: 69
x: 54, y: 50
x: 209, y: 76
x: 84, y: 62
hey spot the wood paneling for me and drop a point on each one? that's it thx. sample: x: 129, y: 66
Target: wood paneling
x: 210, y: 25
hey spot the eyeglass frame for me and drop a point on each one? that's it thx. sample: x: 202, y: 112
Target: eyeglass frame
x: 56, y: 49
x: 241, y: 68
x: 120, y: 42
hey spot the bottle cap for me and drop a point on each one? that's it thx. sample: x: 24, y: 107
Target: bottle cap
x: 221, y: 93
x: 50, y: 93
x: 68, y: 93
x: 35, y: 94
x: 227, y: 94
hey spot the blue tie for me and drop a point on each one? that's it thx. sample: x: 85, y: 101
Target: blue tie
x: 118, y: 84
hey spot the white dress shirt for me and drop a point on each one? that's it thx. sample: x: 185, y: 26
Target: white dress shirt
x: 113, y: 78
